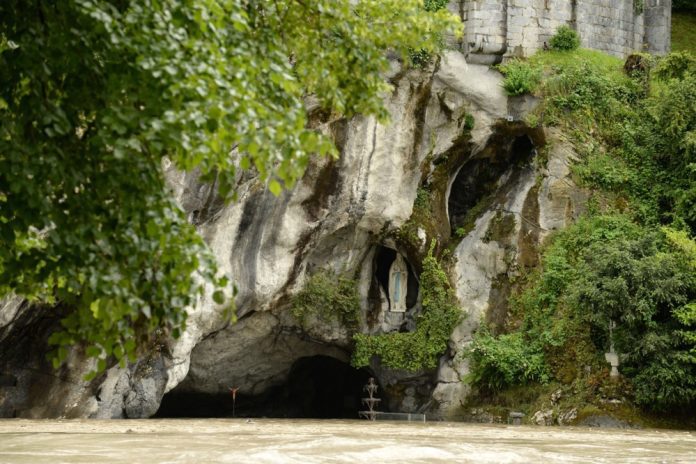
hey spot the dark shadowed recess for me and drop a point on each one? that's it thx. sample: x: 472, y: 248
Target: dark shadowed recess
x: 318, y: 387
x: 480, y: 177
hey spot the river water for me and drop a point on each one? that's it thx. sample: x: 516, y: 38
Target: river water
x: 329, y: 441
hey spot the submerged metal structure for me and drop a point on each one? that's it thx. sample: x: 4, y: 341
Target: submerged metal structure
x: 370, y: 402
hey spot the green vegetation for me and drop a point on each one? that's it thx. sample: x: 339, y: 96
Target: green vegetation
x: 605, y: 268
x: 684, y: 5
x: 435, y: 5
x: 421, y: 217
x: 565, y: 39
x: 94, y: 94
x: 506, y: 360
x: 630, y: 260
x: 638, y: 6
x: 469, y: 122
x: 684, y: 31
x: 329, y: 297
x: 551, y: 60
x: 677, y: 65
x: 520, y: 77
x: 422, y: 57
x: 420, y: 349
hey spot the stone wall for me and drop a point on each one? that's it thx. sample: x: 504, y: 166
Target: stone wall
x: 658, y: 25
x: 611, y: 26
x: 533, y: 22
x: 500, y: 28
x: 485, y: 27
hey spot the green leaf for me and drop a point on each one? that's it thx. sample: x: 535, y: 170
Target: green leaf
x: 93, y: 351
x: 218, y: 297
x: 275, y: 187
x: 94, y: 307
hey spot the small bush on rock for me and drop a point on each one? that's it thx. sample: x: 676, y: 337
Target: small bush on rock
x: 520, y: 77
x: 565, y: 39
x: 328, y: 297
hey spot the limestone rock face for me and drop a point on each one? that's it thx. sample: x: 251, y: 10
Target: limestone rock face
x: 543, y: 417
x: 530, y: 202
x: 568, y: 417
x: 341, y: 216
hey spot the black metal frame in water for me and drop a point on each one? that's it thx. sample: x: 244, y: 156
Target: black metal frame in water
x: 371, y: 388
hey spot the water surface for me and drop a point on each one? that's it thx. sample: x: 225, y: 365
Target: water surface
x: 329, y: 441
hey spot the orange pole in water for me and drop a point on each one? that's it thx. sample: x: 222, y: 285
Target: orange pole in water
x: 233, y: 392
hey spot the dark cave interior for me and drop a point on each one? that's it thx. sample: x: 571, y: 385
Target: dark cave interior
x: 479, y: 177
x: 317, y: 387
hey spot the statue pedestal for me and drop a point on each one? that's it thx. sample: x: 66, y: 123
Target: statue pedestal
x: 613, y: 359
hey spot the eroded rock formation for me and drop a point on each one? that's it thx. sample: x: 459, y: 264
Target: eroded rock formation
x: 497, y: 187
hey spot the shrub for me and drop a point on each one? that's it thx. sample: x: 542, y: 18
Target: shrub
x: 604, y: 171
x: 422, y: 199
x: 520, y: 77
x: 676, y: 65
x: 435, y: 5
x: 584, y: 87
x: 638, y: 6
x: 420, y: 58
x: 565, y: 39
x: 469, y: 122
x: 636, y: 140
x: 328, y: 297
x: 504, y: 361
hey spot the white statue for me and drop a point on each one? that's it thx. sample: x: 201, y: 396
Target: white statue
x: 612, y: 356
x: 398, y: 284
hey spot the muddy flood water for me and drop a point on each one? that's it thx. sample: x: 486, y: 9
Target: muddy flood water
x: 329, y: 441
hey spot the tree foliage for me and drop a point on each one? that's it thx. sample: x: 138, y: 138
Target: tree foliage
x: 95, y: 94
x: 422, y: 57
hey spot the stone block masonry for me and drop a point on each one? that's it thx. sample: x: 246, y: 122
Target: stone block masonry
x: 504, y: 28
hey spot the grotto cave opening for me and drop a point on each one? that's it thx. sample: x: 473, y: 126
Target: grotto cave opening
x: 480, y: 178
x: 317, y: 387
